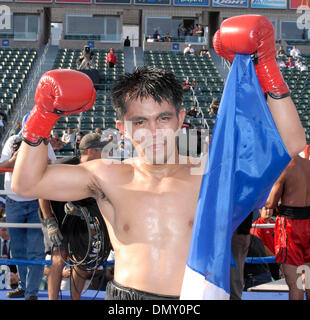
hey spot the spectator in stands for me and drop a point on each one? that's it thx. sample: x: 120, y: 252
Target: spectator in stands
x: 106, y: 152
x: 56, y: 143
x: 195, y: 30
x: 167, y: 37
x: 69, y: 137
x: 181, y: 30
x: 195, y: 87
x: 281, y: 52
x: 5, y: 253
x: 295, y: 53
x: 111, y: 58
x: 159, y: 38
x: 192, y: 113
x: 280, y: 62
x: 78, y: 139
x: 86, y: 60
x: 198, y: 32
x: 2, y: 208
x: 122, y: 152
x: 98, y: 131
x: 186, y: 85
x: 290, y: 63
x: 16, y: 129
x: 214, y: 106
x: 189, y: 50
x: 189, y: 30
x: 127, y: 42
x: 150, y: 38
x: 155, y: 34
x: 204, y: 51
x: 127, y: 145
x: 1, y: 123
x: 300, y: 66
x: 26, y: 244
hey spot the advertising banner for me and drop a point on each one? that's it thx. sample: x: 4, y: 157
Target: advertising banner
x: 231, y: 3
x: 204, y: 3
x: 152, y: 2
x: 294, y: 4
x: 269, y: 4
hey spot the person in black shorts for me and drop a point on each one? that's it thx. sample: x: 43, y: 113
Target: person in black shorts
x: 64, y: 229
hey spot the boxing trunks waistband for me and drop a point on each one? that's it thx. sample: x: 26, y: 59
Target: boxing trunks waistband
x: 115, y: 291
x: 295, y: 212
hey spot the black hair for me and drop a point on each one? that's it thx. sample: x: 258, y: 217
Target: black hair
x: 146, y: 82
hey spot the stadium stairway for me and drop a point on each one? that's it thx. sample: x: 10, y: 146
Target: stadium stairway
x: 129, y: 61
x: 133, y: 57
x: 46, y: 65
x: 49, y: 59
x: 139, y: 56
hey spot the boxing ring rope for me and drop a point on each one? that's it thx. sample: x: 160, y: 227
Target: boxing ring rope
x: 24, y: 262
x: 252, y: 260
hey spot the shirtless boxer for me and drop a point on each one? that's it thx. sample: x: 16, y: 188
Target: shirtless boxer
x: 292, y: 228
x: 149, y: 208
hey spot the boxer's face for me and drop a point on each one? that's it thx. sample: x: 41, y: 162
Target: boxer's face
x: 152, y: 127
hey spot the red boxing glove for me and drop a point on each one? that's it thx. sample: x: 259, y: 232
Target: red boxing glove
x: 59, y: 93
x: 251, y: 34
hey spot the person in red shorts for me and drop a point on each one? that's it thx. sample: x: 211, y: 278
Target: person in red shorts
x: 265, y: 234
x: 267, y: 237
x: 292, y: 228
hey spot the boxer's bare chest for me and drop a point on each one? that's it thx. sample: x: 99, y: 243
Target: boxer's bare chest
x: 140, y: 207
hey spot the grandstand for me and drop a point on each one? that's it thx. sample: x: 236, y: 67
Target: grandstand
x: 57, y: 34
x: 101, y: 115
x: 201, y: 70
x: 15, y: 65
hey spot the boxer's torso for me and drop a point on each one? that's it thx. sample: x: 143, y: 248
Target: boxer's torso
x: 150, y: 218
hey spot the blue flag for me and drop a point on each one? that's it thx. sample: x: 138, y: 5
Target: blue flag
x: 246, y: 157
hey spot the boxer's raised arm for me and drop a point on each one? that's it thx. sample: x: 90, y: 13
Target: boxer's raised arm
x: 254, y: 34
x: 59, y: 93
x: 287, y: 120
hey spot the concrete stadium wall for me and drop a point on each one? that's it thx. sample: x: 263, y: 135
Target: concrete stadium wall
x: 134, y: 15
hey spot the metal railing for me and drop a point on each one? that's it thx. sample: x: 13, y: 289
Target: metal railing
x: 198, y: 108
x: 226, y: 64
